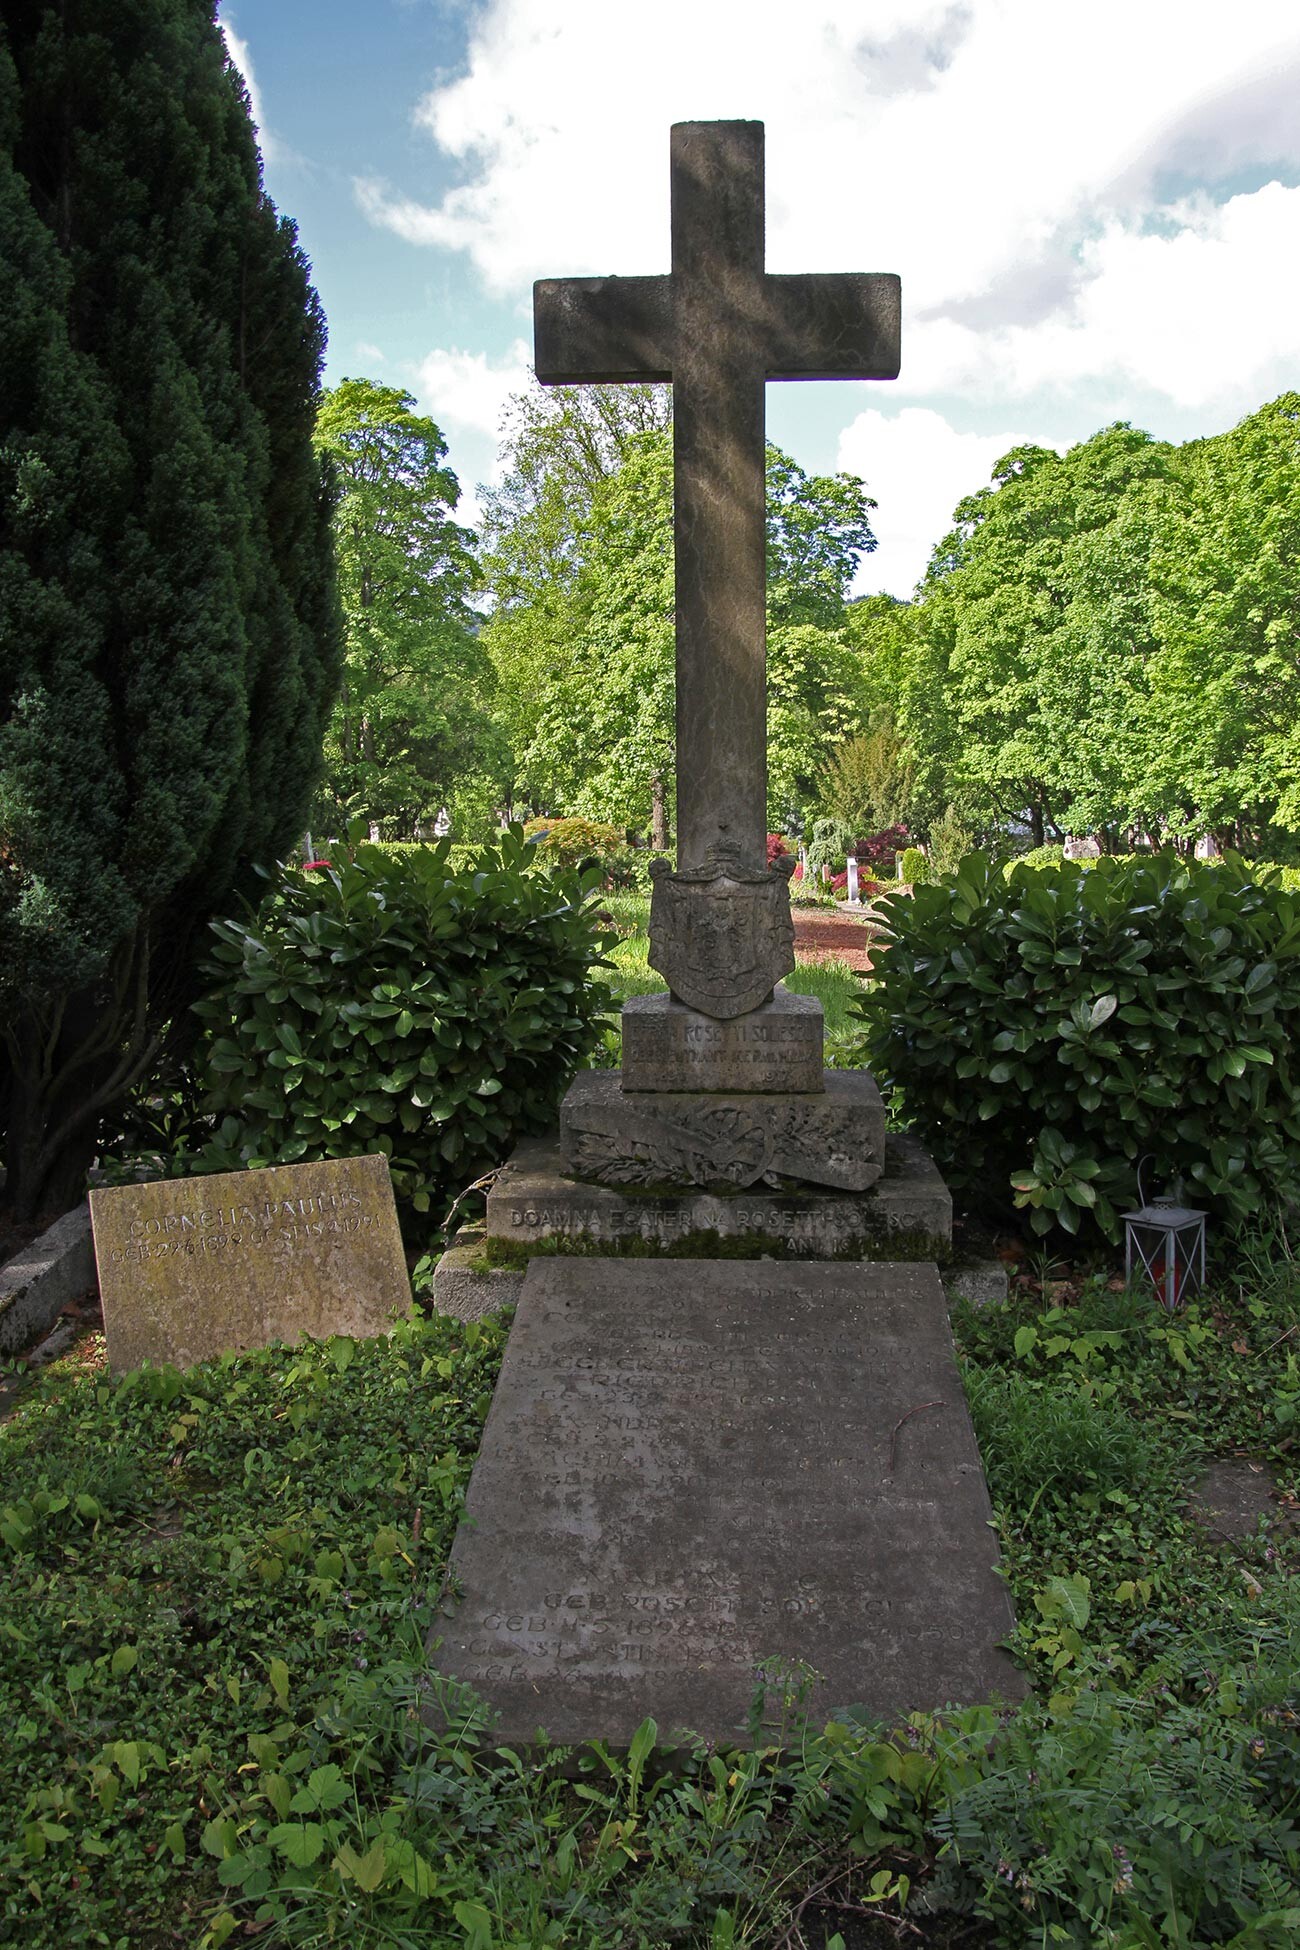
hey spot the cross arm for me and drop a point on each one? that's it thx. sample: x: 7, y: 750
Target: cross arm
x: 837, y: 325
x: 602, y: 329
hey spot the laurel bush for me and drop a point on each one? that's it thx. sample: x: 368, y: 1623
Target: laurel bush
x: 1044, y: 1031
x: 397, y: 1004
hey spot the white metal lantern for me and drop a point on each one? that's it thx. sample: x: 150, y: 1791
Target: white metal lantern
x: 1168, y: 1241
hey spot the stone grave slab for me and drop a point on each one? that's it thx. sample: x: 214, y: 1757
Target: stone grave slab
x: 691, y: 1468
x: 906, y: 1214
x: 190, y: 1268
x: 777, y: 1046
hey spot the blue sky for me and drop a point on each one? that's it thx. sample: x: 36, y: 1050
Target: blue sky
x: 1095, y: 211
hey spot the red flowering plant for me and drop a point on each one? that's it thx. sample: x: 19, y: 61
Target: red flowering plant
x: 776, y: 846
x: 879, y: 849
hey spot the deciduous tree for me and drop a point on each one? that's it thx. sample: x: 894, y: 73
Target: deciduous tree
x: 588, y: 646
x: 411, y: 717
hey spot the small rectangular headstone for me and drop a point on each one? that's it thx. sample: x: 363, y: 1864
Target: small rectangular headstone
x: 691, y: 1468
x: 851, y: 888
x: 190, y: 1268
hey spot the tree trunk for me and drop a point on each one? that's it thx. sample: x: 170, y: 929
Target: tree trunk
x: 68, y: 1065
x: 658, y: 814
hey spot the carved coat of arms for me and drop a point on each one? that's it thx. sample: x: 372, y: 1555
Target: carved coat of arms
x: 722, y: 935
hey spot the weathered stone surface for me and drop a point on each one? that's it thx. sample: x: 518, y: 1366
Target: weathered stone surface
x: 190, y: 1268
x: 834, y: 1136
x: 690, y: 1469
x: 465, y: 1287
x: 722, y: 936
x: 37, y: 1283
x: 907, y: 1213
x: 983, y: 1282
x: 718, y: 328
x: 667, y: 1046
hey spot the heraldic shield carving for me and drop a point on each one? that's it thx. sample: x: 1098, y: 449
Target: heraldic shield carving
x: 722, y: 935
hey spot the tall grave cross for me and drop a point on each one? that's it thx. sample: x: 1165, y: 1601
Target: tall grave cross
x: 718, y: 328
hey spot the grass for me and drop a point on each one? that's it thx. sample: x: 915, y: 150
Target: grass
x: 215, y: 1587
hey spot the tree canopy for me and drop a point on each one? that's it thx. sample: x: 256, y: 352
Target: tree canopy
x: 168, y: 622
x: 1108, y: 640
x: 410, y: 720
x: 582, y: 629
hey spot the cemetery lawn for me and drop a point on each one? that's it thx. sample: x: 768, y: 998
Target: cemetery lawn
x: 215, y: 1589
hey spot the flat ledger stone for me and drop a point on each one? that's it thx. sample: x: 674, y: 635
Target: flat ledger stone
x: 190, y: 1268
x: 691, y: 1468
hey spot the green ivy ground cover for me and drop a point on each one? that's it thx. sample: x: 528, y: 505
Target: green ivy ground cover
x: 214, y: 1590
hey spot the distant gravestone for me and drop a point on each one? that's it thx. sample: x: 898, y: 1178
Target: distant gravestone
x: 190, y: 1268
x: 690, y: 1469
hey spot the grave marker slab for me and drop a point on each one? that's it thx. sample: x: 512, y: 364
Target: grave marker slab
x: 692, y: 1467
x: 190, y: 1268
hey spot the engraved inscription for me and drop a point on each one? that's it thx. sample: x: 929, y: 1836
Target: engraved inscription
x: 190, y: 1268
x: 691, y: 1469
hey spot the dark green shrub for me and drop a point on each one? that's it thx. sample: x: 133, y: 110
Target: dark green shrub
x: 396, y: 1005
x: 457, y: 856
x: 1048, y: 1029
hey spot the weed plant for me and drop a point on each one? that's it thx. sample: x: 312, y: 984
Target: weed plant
x: 215, y: 1590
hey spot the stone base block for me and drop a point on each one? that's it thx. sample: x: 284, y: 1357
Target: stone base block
x: 906, y: 1214
x: 983, y: 1282
x: 466, y: 1288
x: 778, y: 1046
x: 724, y: 1142
x: 37, y: 1284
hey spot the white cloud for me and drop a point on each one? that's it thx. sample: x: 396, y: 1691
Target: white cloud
x: 1206, y: 312
x: 372, y: 354
x: 918, y: 467
x: 1006, y: 156
x: 273, y: 151
x: 466, y: 391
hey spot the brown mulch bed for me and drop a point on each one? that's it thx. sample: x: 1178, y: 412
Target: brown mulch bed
x: 820, y: 936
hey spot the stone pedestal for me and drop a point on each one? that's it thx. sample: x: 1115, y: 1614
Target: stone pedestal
x: 725, y: 1141
x: 906, y: 1214
x: 778, y: 1046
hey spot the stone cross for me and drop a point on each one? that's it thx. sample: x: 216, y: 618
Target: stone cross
x: 719, y: 327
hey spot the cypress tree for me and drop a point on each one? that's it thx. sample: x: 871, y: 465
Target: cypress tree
x: 169, y: 630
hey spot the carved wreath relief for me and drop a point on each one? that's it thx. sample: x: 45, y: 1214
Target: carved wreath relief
x: 726, y: 1146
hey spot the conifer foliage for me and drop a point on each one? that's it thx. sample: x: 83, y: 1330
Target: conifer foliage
x: 169, y: 632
